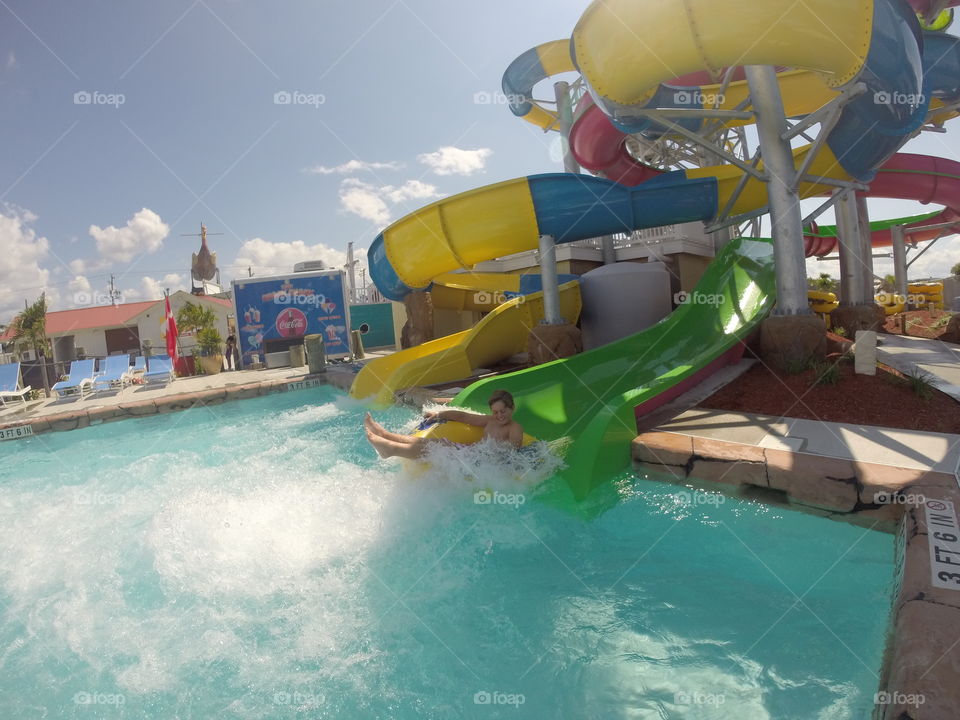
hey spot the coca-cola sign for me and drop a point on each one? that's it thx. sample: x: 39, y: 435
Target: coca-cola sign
x: 291, y: 323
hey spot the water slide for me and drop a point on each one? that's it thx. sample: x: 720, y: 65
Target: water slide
x: 877, y: 43
x: 501, y: 333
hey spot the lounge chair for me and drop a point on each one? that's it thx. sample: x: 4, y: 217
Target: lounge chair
x: 159, y: 369
x: 139, y: 365
x: 115, y: 375
x: 79, y: 380
x: 10, y: 385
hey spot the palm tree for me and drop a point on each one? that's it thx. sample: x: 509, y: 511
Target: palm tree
x: 30, y: 330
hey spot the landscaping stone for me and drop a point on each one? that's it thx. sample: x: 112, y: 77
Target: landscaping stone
x: 552, y: 342
x: 661, y: 448
x: 822, y: 482
x: 792, y: 342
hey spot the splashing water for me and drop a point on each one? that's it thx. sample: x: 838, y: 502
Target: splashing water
x: 257, y: 560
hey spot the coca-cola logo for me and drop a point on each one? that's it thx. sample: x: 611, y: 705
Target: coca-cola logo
x: 291, y: 323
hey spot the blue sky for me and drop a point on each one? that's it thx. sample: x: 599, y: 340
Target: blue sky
x: 387, y: 113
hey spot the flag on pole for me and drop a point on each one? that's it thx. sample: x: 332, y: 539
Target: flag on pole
x: 172, y: 334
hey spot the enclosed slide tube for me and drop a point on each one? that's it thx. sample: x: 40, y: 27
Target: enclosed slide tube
x: 600, y: 146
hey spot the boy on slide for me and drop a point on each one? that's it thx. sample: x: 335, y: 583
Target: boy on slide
x: 499, y: 425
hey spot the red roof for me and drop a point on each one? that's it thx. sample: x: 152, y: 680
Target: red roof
x: 104, y: 316
x: 65, y: 321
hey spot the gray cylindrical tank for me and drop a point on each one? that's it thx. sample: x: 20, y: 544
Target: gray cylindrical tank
x: 622, y: 299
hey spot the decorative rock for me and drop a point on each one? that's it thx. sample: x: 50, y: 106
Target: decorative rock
x: 729, y: 472
x: 952, y: 332
x: 552, y: 342
x: 922, y: 665
x: 419, y: 326
x: 142, y: 407
x: 853, y: 318
x: 663, y: 448
x: 791, y: 342
x: 821, y: 482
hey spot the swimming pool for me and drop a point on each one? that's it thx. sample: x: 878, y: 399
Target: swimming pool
x: 255, y: 560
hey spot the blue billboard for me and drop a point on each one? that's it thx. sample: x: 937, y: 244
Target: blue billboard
x: 274, y: 313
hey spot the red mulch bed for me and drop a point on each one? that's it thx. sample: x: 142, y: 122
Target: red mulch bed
x: 860, y: 399
x: 917, y: 323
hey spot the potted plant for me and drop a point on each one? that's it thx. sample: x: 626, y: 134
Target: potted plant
x: 203, y: 322
x: 210, y: 345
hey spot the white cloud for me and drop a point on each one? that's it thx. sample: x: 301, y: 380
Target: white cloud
x: 144, y: 233
x: 152, y: 289
x: 11, y: 62
x: 276, y: 258
x: 351, y: 167
x: 370, y: 201
x: 450, y: 160
x: 21, y: 277
x: 362, y: 199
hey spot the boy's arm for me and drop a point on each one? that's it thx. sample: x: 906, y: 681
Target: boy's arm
x: 516, y: 436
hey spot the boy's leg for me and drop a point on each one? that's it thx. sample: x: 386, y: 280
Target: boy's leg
x: 380, y: 430
x: 388, y: 448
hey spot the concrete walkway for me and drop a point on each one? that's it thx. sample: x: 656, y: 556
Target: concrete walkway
x: 940, y: 359
x: 913, y: 449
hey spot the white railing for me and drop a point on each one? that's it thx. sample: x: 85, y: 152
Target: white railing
x: 366, y: 296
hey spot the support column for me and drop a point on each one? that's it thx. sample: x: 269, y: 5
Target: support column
x: 609, y: 251
x: 866, y: 251
x: 900, y: 258
x: 793, y: 336
x: 548, y: 274
x: 784, y: 201
x: 554, y: 337
x: 848, y: 245
x: 858, y: 310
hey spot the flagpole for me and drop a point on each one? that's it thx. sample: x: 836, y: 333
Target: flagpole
x: 179, y: 344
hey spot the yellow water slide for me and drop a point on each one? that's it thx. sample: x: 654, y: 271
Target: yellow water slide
x: 500, y: 334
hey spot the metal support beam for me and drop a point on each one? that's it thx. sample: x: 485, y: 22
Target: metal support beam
x: 928, y: 246
x: 848, y: 244
x: 706, y: 145
x: 551, y: 285
x: 608, y: 249
x: 866, y: 250
x: 899, y: 258
x: 791, y: 269
x: 565, y: 114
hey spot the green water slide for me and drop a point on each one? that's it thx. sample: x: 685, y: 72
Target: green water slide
x: 594, y: 398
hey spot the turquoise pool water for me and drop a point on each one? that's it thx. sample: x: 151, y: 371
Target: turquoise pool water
x: 256, y: 560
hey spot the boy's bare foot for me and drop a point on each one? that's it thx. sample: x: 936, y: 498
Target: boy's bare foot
x: 374, y: 427
x: 379, y: 443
